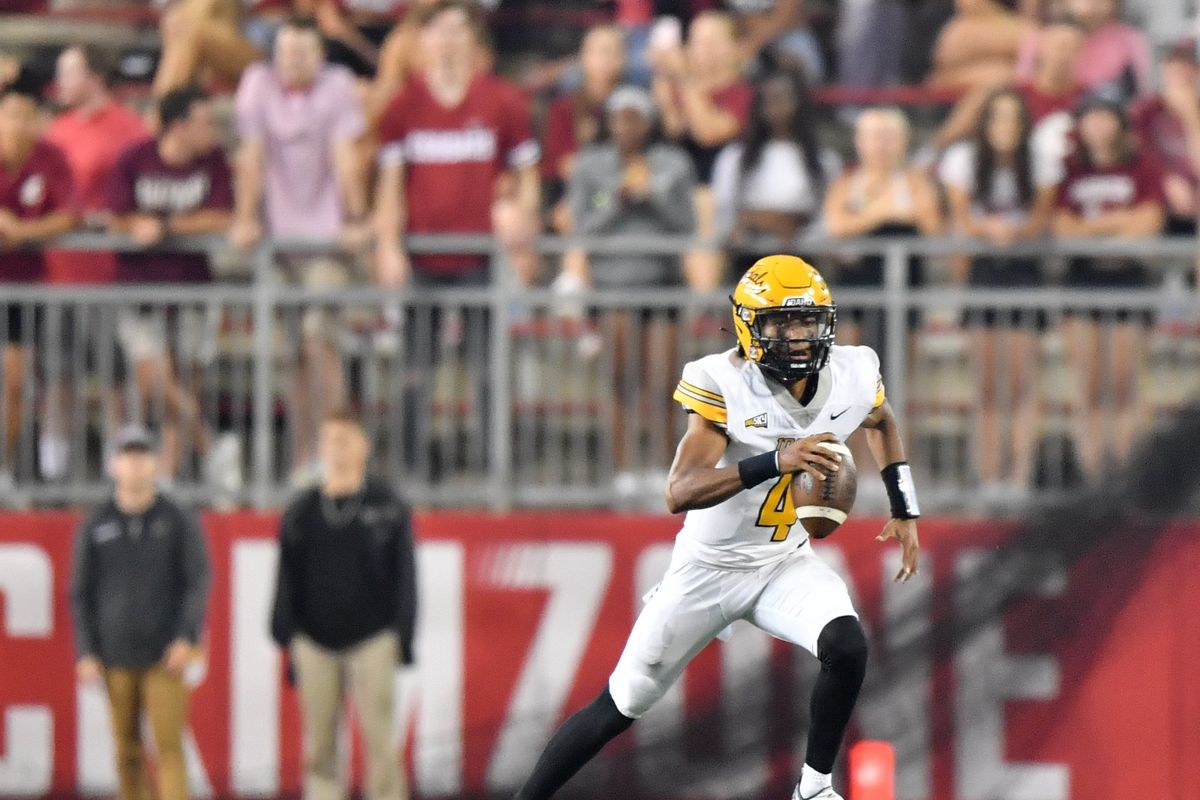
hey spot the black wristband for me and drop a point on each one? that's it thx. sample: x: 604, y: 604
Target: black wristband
x: 901, y: 491
x: 756, y: 469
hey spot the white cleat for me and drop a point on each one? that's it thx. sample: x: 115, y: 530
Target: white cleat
x: 825, y: 794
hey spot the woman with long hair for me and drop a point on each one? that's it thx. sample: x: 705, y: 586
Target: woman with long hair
x: 770, y: 183
x: 1001, y: 190
x: 1112, y: 188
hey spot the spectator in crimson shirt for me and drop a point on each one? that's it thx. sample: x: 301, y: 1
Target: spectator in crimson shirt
x: 176, y: 185
x: 573, y: 120
x: 1052, y: 90
x: 94, y: 128
x: 704, y: 100
x: 35, y: 205
x: 445, y: 141
x: 1169, y: 124
x: 400, y: 57
x: 92, y: 131
x: 1112, y: 188
x: 705, y: 105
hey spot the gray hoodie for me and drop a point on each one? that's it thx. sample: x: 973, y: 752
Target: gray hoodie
x: 598, y: 209
x: 138, y: 583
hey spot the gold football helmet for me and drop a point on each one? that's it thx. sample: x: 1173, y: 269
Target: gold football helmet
x: 784, y: 317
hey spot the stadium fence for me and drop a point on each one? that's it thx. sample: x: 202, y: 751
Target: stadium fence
x: 503, y: 396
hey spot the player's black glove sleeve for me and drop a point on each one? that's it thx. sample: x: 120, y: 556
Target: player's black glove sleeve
x: 901, y: 491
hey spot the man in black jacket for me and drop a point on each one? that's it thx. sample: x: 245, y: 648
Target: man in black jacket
x: 345, y: 606
x: 139, y: 586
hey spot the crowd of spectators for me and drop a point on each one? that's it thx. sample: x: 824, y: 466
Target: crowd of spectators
x: 358, y: 121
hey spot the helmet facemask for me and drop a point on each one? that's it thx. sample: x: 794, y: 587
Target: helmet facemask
x: 792, y: 342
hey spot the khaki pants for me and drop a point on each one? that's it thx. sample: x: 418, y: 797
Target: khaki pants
x: 162, y: 695
x: 368, y: 672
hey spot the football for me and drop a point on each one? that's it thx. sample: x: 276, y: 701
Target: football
x: 821, y: 508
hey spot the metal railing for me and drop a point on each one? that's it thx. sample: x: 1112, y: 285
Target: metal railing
x: 503, y: 396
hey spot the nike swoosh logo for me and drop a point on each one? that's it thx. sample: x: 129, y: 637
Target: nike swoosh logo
x: 843, y: 411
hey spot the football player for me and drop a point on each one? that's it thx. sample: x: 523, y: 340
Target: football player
x: 760, y: 413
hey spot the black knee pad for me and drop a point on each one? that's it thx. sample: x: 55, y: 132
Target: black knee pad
x: 842, y: 646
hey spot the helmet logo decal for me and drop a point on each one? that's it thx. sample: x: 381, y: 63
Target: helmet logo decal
x: 754, y: 281
x: 801, y: 300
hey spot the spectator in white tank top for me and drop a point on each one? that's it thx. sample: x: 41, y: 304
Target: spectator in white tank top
x: 1001, y: 187
x: 771, y: 183
x: 881, y: 196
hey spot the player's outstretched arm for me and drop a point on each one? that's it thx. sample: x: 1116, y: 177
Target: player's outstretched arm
x: 695, y: 481
x: 883, y: 437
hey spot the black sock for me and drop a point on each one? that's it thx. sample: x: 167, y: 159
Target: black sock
x: 574, y: 744
x: 842, y: 650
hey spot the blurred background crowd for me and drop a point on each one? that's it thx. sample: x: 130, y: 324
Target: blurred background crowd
x: 743, y: 127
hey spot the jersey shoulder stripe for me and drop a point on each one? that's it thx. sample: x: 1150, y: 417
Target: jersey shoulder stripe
x: 711, y: 410
x: 692, y: 388
x: 699, y: 390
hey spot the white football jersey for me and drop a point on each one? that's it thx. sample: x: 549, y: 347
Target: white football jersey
x: 755, y: 526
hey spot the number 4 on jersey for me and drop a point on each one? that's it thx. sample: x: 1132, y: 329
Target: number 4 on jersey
x: 778, y: 511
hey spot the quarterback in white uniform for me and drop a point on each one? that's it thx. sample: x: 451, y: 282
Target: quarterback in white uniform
x: 759, y: 414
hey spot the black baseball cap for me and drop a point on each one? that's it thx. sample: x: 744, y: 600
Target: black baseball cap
x: 133, y: 438
x: 1103, y: 101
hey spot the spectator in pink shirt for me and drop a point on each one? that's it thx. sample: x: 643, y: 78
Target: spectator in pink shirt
x: 1114, y: 53
x: 299, y: 120
x: 298, y: 170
